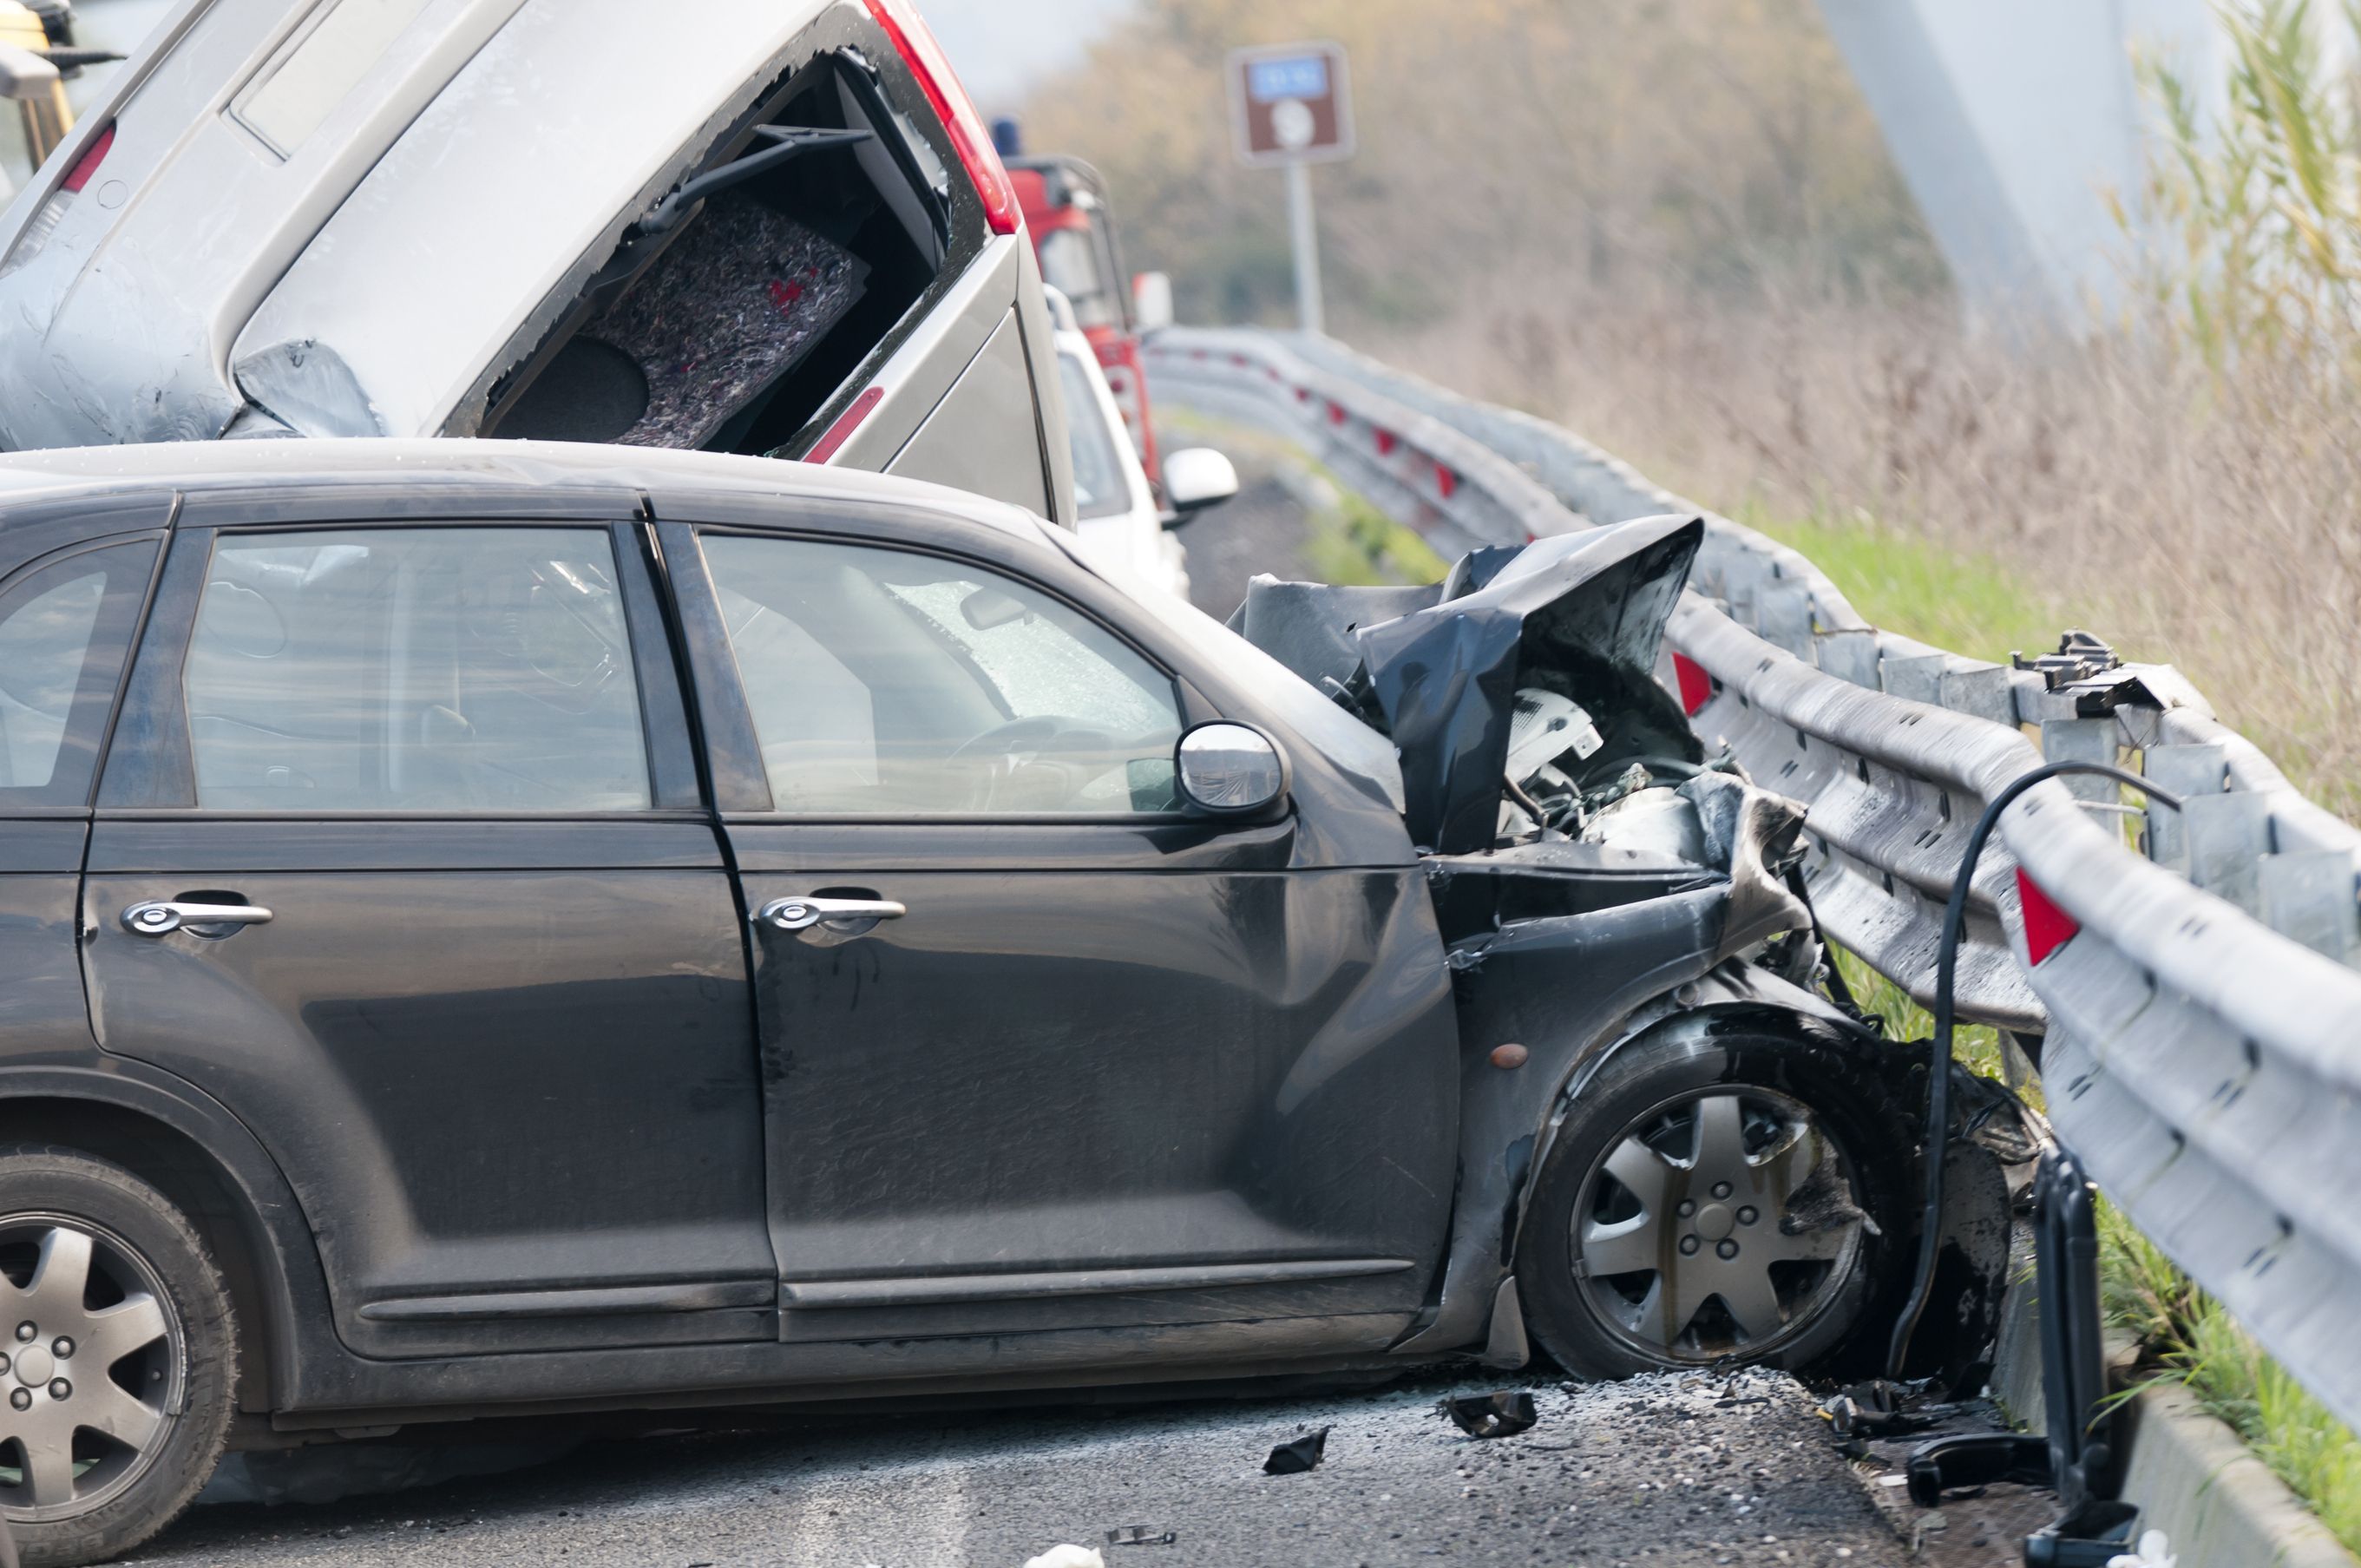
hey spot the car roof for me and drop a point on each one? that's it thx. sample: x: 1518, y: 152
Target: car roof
x: 550, y: 471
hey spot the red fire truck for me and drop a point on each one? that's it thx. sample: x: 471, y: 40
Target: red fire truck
x: 1066, y: 210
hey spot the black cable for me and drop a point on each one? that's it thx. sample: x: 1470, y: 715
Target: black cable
x: 1938, y: 1084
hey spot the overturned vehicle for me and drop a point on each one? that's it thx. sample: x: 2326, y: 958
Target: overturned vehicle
x: 514, y: 930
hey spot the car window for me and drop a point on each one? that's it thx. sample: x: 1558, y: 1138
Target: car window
x: 427, y: 669
x: 1100, y: 489
x: 1070, y: 266
x: 65, y: 629
x: 889, y: 683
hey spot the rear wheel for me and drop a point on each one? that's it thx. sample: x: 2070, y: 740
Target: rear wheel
x: 1731, y: 1199
x: 117, y: 1358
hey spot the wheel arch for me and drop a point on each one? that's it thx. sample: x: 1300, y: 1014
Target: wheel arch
x: 210, y: 1168
x: 1510, y: 1120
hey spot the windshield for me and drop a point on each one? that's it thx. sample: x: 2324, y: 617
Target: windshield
x: 1099, y: 488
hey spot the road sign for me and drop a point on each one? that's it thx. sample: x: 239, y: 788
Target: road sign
x: 1291, y: 104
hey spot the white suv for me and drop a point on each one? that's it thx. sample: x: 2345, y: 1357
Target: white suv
x: 782, y: 230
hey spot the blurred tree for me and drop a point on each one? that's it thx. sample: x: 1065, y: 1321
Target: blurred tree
x: 1699, y: 145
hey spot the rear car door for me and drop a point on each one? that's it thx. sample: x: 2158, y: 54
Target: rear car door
x: 1100, y: 1064
x: 72, y: 580
x: 399, y: 854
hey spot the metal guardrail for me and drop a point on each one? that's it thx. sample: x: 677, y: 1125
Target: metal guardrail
x: 2201, y: 1025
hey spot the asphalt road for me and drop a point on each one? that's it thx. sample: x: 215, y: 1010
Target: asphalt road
x: 1659, y: 1471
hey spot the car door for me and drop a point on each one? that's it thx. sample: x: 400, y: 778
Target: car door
x: 399, y: 854
x: 72, y: 582
x: 1075, y: 1060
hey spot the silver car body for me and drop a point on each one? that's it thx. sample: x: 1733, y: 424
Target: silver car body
x: 369, y: 217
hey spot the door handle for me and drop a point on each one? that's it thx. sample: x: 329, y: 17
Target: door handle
x: 156, y: 915
x: 803, y: 913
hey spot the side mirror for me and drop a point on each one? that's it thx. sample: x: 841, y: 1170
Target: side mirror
x: 1225, y: 769
x: 25, y: 75
x: 1196, y: 477
x: 1151, y: 301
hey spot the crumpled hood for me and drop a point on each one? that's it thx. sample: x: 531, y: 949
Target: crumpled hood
x: 1441, y: 665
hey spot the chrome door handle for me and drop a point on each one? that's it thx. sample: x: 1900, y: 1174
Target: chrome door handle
x: 802, y: 914
x: 156, y: 915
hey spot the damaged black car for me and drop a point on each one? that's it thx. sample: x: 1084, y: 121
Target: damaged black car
x: 513, y: 930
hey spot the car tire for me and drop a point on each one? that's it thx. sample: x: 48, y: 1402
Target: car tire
x: 130, y: 1364
x: 1792, y: 1158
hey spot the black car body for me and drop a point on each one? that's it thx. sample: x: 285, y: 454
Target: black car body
x: 404, y: 872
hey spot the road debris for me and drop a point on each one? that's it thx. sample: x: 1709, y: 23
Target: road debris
x: 2155, y: 1551
x: 1068, y: 1555
x: 1502, y: 1414
x: 1293, y: 1458
x: 1140, y: 1535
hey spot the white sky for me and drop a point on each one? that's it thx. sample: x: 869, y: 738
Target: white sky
x: 1000, y: 47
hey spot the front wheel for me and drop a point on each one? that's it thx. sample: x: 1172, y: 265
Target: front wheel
x: 117, y: 1358
x: 1727, y: 1198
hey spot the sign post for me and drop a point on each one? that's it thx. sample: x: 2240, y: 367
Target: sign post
x: 1290, y: 105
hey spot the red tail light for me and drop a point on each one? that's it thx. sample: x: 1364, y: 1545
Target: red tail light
x: 51, y: 213
x: 2046, y: 927
x: 1696, y: 686
x: 847, y: 421
x: 87, y: 164
x: 923, y: 56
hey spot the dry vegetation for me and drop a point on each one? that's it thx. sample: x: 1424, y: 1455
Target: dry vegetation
x: 1673, y: 227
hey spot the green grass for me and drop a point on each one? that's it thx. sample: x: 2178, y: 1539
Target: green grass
x: 1975, y: 605
x: 1973, y: 1046
x: 2187, y: 1337
x: 1354, y: 544
x: 1970, y: 604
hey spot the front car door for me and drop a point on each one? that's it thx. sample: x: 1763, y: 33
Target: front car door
x: 477, y: 978
x: 1087, y: 1062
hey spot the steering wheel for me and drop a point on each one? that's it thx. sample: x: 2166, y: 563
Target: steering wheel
x: 1026, y: 759
x: 1007, y: 740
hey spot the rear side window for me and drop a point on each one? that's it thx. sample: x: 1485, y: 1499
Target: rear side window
x: 65, y: 629
x: 1099, y: 488
x: 447, y: 669
x: 727, y: 323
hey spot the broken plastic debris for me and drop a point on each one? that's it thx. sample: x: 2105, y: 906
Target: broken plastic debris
x: 1068, y: 1556
x: 1501, y: 1414
x: 1140, y: 1535
x: 1293, y: 1458
x: 2155, y: 1551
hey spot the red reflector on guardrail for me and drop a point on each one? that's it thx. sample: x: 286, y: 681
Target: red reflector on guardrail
x: 2046, y: 927
x: 1445, y: 480
x: 1385, y: 444
x: 1696, y: 686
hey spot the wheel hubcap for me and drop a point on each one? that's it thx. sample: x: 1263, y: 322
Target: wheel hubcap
x: 1716, y: 1224
x: 91, y: 1373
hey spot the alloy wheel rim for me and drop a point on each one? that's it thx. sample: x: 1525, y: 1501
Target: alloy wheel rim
x: 1721, y: 1223
x: 93, y: 1359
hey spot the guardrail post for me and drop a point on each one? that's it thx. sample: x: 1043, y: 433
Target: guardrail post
x: 1783, y: 613
x: 2309, y: 895
x: 2185, y: 770
x: 2082, y: 740
x: 1980, y: 691
x: 1851, y: 656
x: 2228, y: 836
